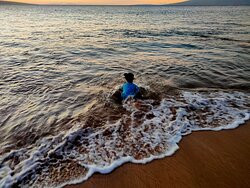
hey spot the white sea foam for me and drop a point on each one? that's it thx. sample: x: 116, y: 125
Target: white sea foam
x: 146, y: 132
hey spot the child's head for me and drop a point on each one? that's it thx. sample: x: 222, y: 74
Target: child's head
x: 129, y: 77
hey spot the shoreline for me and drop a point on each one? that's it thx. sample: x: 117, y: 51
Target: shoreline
x: 204, y: 159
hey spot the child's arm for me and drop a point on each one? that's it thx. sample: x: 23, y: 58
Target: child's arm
x: 137, y: 89
x: 138, y: 94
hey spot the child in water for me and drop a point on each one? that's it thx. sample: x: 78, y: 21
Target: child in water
x: 129, y: 88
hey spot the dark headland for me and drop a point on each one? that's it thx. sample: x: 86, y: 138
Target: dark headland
x: 12, y: 3
x: 213, y: 3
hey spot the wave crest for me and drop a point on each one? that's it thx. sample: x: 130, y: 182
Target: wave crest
x: 109, y: 135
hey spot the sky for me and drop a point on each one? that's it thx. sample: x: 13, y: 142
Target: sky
x: 99, y: 2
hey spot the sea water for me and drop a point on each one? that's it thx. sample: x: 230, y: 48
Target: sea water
x: 59, y: 65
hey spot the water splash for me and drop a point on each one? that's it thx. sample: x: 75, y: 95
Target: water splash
x: 140, y: 132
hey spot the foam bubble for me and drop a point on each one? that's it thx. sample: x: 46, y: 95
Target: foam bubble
x: 147, y: 131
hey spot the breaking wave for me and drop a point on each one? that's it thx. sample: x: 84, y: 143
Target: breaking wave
x: 108, y: 135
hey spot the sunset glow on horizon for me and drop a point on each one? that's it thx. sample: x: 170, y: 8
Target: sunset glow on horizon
x: 99, y: 2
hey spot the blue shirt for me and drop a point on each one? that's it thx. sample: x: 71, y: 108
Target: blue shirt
x: 129, y: 89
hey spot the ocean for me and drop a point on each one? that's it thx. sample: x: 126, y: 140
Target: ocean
x: 60, y: 65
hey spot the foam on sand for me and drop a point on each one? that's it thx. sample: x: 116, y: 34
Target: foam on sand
x: 147, y: 130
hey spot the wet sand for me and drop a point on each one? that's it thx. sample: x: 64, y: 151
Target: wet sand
x: 205, y: 159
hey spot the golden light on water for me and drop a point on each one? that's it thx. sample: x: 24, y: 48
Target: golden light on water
x: 100, y: 2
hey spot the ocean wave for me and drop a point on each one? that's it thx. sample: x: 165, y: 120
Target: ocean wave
x: 207, y: 34
x: 108, y: 135
x: 59, y: 63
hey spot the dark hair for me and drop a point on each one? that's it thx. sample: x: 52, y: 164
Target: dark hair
x: 129, y: 77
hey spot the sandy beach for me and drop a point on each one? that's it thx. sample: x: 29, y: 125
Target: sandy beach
x: 205, y: 159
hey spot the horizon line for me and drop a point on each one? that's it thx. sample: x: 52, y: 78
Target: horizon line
x: 173, y: 5
x: 72, y: 4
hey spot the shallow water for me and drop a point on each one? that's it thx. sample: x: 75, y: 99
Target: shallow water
x: 59, y: 64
